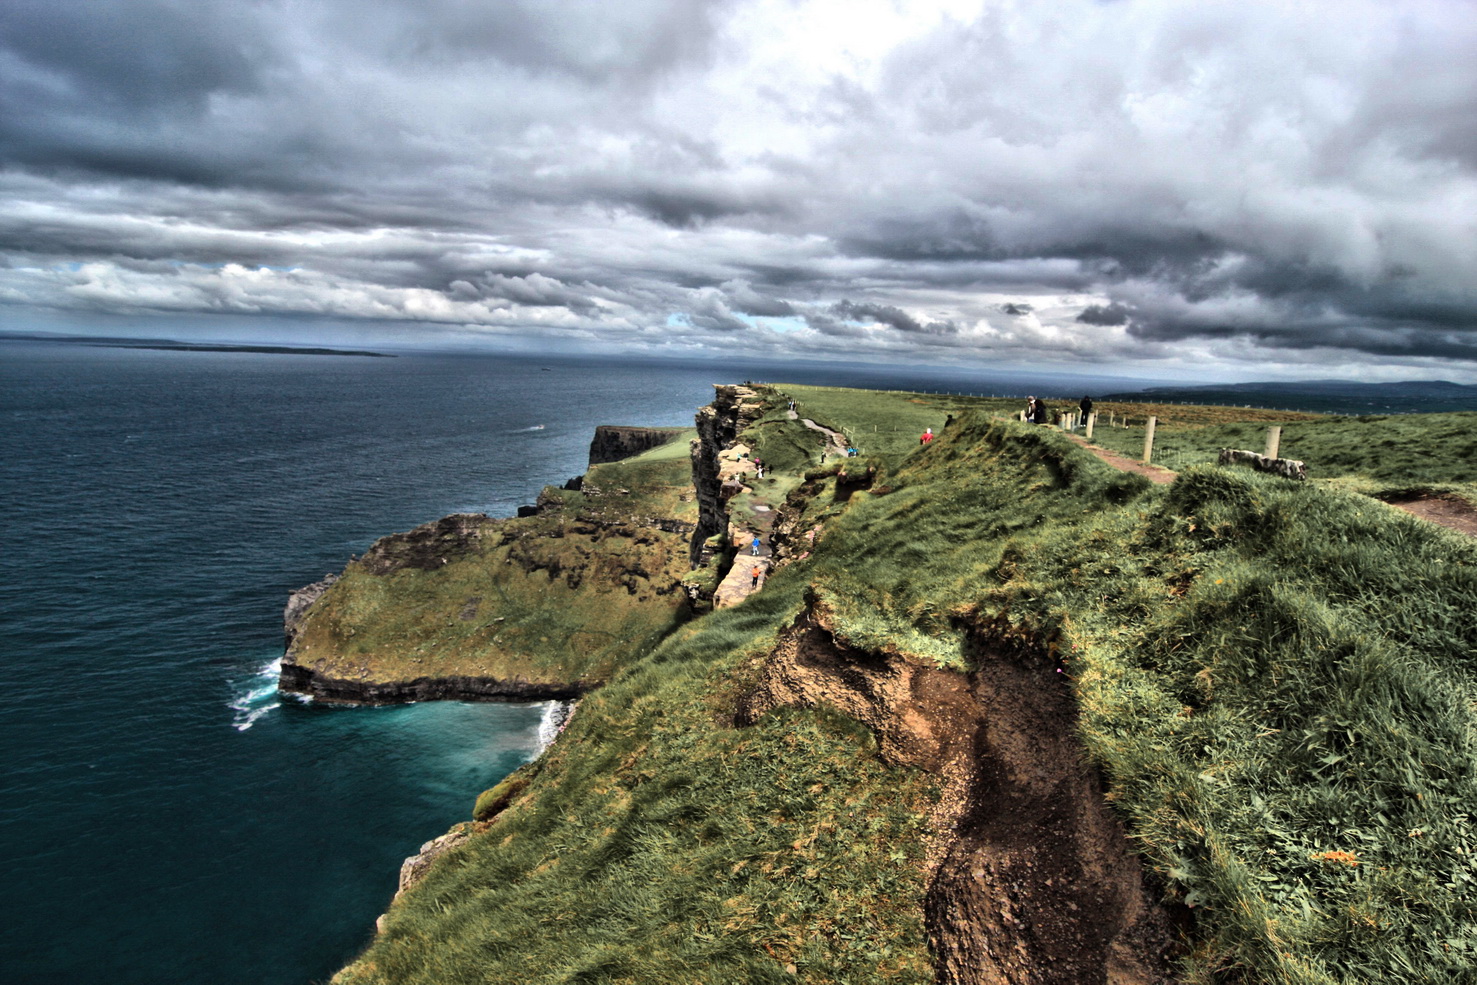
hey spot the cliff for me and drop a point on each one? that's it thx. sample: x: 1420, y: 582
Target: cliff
x: 475, y: 608
x: 999, y: 714
x: 734, y: 409
x: 613, y: 443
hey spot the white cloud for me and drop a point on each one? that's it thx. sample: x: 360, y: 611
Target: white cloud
x: 1239, y: 178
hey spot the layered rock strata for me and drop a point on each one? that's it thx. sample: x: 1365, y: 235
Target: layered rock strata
x: 716, y: 460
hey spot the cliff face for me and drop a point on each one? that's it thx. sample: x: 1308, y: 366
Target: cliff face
x: 612, y: 443
x: 733, y: 409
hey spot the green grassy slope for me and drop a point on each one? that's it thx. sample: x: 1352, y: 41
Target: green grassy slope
x: 563, y: 597
x: 1276, y: 680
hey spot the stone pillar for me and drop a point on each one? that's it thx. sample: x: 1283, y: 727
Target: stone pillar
x: 1091, y: 420
x: 1149, y: 439
x: 1274, y: 441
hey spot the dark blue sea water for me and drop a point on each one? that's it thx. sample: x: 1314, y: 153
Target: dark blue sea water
x: 163, y: 816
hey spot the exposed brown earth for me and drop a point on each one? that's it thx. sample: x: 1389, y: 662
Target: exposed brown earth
x: 1032, y: 880
x: 1449, y: 511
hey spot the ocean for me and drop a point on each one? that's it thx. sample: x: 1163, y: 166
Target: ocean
x: 164, y: 815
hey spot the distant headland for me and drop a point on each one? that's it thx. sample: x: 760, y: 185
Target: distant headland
x: 174, y: 345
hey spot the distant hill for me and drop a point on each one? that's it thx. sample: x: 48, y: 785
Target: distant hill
x: 173, y: 345
x: 1322, y: 396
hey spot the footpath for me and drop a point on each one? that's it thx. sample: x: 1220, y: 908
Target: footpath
x: 1154, y: 473
x: 749, y: 570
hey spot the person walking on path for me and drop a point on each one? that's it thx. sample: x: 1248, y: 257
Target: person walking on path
x: 755, y: 546
x: 1085, y: 405
x: 755, y: 583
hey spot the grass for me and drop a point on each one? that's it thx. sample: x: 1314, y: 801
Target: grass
x: 657, y: 843
x: 563, y: 597
x: 1276, y: 680
x: 1388, y: 452
x: 883, y: 423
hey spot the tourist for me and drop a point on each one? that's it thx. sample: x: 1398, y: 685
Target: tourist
x: 926, y: 437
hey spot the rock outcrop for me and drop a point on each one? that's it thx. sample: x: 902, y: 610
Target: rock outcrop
x: 429, y: 546
x: 614, y: 442
x: 733, y: 409
x: 298, y: 679
x: 298, y: 603
x: 1287, y: 468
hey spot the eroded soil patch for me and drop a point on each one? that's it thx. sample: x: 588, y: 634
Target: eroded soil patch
x: 1449, y: 511
x: 1032, y: 880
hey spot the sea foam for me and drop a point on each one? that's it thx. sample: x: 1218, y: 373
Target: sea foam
x: 258, y: 696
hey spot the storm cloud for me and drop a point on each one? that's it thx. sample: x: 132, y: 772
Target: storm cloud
x: 1244, y: 188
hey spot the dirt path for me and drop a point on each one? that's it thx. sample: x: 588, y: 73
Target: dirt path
x: 1451, y: 512
x: 741, y: 582
x: 1154, y: 473
x: 836, y: 443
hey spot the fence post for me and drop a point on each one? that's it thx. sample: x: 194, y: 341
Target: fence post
x: 1091, y: 420
x: 1149, y: 439
x: 1274, y: 441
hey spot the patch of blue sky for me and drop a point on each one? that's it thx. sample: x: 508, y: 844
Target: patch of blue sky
x: 783, y: 325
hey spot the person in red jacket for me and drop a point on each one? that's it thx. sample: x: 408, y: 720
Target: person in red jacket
x: 926, y: 437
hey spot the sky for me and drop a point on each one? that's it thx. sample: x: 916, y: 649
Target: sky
x: 1191, y: 191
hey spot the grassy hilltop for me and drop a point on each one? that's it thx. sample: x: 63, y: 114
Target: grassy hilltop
x: 865, y: 772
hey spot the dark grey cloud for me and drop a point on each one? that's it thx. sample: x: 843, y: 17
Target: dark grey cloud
x: 887, y: 314
x: 1104, y: 314
x: 1159, y: 183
